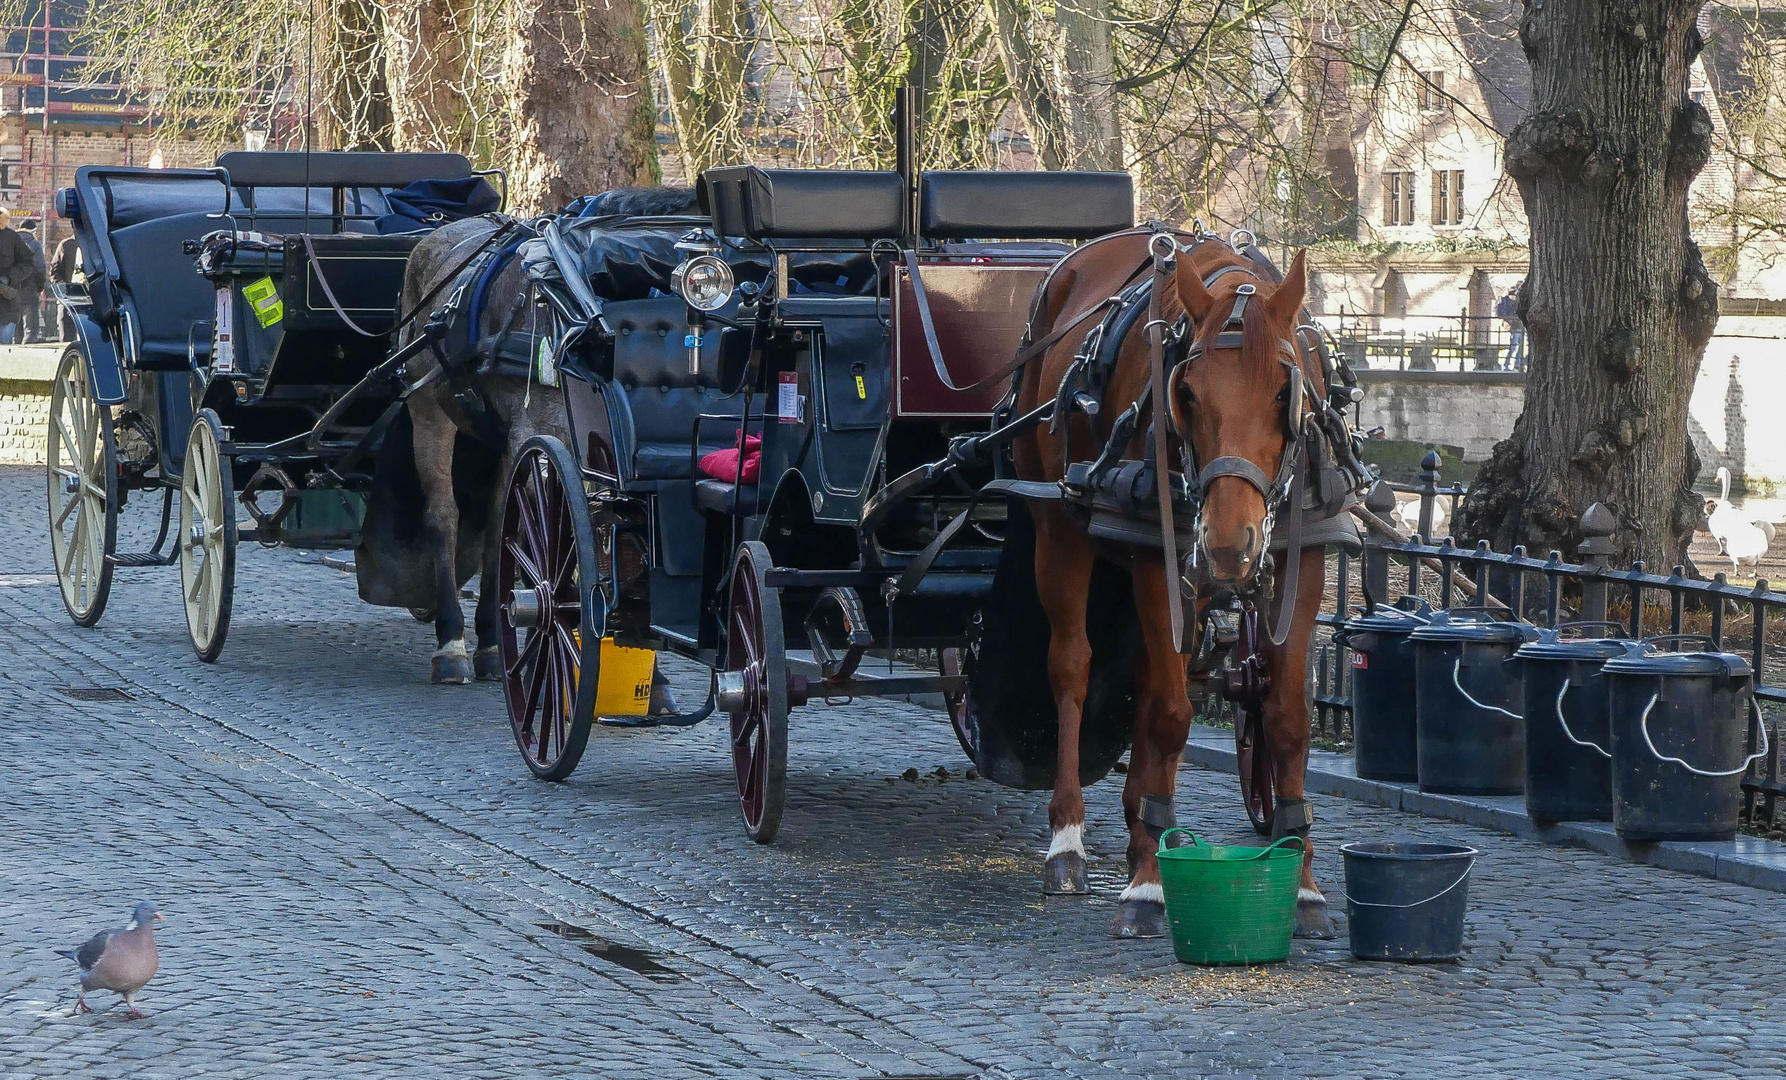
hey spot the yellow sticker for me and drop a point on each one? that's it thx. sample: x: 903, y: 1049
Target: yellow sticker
x: 263, y: 295
x: 861, y: 389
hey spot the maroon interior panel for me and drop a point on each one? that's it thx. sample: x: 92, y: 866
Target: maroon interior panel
x: 979, y: 311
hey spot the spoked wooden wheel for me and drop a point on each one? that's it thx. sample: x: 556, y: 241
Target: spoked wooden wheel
x: 756, y: 669
x: 551, y: 630
x: 207, y: 537
x: 83, y: 478
x: 1248, y: 682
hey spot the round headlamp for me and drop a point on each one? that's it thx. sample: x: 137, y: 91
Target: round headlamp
x: 704, y: 282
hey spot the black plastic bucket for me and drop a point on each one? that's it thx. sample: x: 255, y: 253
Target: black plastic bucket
x: 1680, y: 743
x: 1471, y: 739
x: 1406, y: 901
x: 1384, y: 744
x: 1568, y: 763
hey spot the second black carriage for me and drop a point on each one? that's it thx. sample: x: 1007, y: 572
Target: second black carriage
x: 233, y: 326
x: 835, y: 324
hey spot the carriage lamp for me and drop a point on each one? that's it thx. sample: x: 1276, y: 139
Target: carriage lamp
x: 704, y: 282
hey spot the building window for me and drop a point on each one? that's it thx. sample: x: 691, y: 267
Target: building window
x: 1398, y: 198
x: 1432, y: 92
x: 1448, y: 197
x: 12, y: 168
x: 1698, y: 97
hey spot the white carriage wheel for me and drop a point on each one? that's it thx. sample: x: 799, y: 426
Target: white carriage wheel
x: 81, y: 467
x: 207, y: 537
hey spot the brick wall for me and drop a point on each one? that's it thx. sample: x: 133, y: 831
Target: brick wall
x: 24, y: 421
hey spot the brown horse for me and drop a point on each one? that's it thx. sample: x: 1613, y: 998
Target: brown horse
x: 1228, y: 402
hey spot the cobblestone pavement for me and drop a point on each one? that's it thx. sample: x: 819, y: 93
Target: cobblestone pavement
x: 357, y: 871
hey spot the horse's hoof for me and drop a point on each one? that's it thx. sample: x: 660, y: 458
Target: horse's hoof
x: 451, y: 670
x: 1139, y: 919
x: 486, y: 664
x: 1064, y: 875
x: 1312, y: 920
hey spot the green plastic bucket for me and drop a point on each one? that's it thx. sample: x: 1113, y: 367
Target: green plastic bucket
x: 1230, y: 905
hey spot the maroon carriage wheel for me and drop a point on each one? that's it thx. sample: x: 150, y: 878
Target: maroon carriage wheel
x: 756, y: 652
x: 549, y: 634
x: 1248, y: 682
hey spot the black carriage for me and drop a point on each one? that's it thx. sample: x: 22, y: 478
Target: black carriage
x: 233, y: 328
x: 849, y: 327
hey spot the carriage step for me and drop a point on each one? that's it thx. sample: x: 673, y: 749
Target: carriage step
x: 143, y: 559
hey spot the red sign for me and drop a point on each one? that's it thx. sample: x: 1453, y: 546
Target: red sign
x: 1360, y: 661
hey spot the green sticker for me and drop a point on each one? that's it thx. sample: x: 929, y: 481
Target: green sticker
x: 263, y: 295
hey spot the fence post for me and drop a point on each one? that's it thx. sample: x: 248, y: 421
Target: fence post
x: 1429, y: 493
x: 1596, y: 550
x: 1381, y: 502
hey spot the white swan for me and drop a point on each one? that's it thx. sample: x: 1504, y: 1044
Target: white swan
x: 1738, y: 536
x: 1408, y: 513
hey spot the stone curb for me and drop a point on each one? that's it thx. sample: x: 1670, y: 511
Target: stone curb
x: 1747, y: 860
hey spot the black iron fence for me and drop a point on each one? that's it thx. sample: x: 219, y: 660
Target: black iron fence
x: 1424, y: 342
x: 1548, y: 592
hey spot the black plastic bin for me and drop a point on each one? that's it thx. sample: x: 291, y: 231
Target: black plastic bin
x: 1680, y: 743
x: 1384, y: 745
x: 1568, y: 760
x: 1471, y: 741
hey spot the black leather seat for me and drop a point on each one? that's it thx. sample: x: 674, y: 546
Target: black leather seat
x: 723, y: 498
x: 1024, y: 205
x: 804, y: 204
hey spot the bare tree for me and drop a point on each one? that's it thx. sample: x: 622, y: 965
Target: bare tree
x: 1618, y: 303
x: 1063, y: 66
x: 580, y: 100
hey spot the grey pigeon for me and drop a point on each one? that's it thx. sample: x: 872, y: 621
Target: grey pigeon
x: 121, y: 961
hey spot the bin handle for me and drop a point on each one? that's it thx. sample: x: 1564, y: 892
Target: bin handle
x: 1706, y: 639
x: 1560, y: 627
x: 1177, y: 829
x: 1465, y: 876
x: 1602, y: 751
x: 1262, y: 852
x: 1760, y: 726
x: 1456, y: 666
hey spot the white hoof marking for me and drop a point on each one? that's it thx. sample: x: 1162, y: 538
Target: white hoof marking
x: 1070, y: 838
x: 1310, y: 896
x: 1147, y: 890
x: 454, y: 649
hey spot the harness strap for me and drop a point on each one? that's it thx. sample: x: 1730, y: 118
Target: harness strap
x: 1163, y: 249
x: 1235, y: 466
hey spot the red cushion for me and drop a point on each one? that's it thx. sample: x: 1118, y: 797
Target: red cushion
x: 723, y: 464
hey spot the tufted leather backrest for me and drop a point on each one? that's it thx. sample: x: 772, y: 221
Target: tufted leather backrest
x: 651, y: 369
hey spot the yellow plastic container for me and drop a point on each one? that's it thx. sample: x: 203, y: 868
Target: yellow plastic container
x: 623, y: 687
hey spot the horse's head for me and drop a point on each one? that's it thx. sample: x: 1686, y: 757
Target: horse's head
x: 1236, y: 402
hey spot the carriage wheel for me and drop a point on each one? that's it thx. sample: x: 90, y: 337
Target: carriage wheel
x: 207, y: 537
x: 83, y: 477
x: 957, y: 661
x: 1248, y: 684
x: 550, y: 637
x: 755, y: 649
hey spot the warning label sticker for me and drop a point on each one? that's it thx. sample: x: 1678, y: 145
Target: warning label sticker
x: 263, y: 296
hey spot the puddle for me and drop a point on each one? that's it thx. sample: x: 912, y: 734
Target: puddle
x: 635, y: 960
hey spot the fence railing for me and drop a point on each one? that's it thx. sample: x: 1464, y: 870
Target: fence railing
x: 1423, y: 342
x: 1548, y: 592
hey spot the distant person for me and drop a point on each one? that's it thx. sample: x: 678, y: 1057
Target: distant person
x: 1507, y: 310
x: 31, y: 293
x: 62, y: 269
x: 19, y: 268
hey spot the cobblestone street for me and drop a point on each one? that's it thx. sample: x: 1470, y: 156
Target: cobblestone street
x: 361, y: 879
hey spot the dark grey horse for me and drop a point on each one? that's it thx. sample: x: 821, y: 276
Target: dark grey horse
x: 451, y: 443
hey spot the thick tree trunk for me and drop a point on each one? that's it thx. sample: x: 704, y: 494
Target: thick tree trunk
x: 1618, y: 305
x: 425, y: 55
x: 705, y: 45
x: 583, y: 122
x: 1064, y: 73
x: 359, y: 99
